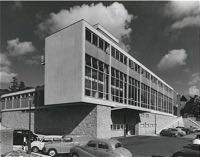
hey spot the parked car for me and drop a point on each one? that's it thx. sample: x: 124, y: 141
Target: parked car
x: 100, y: 148
x: 38, y: 145
x: 180, y: 131
x: 172, y: 132
x: 196, y: 141
x: 20, y: 134
x: 189, y: 151
x: 187, y: 130
x: 66, y: 143
x: 166, y: 132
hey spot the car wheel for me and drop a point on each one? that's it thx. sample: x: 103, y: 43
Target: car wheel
x: 75, y: 155
x: 35, y: 149
x: 52, y: 152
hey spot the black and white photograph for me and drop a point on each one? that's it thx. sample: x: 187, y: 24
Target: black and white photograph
x: 100, y: 78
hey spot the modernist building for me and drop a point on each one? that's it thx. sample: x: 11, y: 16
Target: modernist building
x: 93, y: 86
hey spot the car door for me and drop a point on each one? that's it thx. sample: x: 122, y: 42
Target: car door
x: 66, y: 144
x: 91, y: 148
x: 103, y: 150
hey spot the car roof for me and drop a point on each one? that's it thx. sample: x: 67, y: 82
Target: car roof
x: 76, y: 135
x: 109, y: 141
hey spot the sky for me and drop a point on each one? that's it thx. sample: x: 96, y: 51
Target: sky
x: 163, y: 36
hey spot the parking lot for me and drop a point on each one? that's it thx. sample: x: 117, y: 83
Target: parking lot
x: 155, y: 146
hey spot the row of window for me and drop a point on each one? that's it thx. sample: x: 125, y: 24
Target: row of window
x: 97, y: 85
x: 118, y: 55
x: 96, y: 40
x: 103, y: 45
x: 27, y: 95
x: 16, y: 103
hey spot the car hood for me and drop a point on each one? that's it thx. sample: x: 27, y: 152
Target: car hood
x: 123, y: 152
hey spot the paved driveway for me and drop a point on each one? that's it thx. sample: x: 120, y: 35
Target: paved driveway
x: 155, y: 146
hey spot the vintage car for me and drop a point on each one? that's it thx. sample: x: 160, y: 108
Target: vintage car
x: 19, y: 136
x: 101, y: 148
x: 66, y: 143
x: 38, y: 145
x: 187, y: 130
x: 172, y: 132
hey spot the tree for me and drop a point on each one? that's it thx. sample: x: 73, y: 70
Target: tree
x: 14, y: 85
x: 192, y: 107
x: 22, y: 86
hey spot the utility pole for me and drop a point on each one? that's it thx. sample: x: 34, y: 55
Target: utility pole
x: 29, y: 128
x: 155, y: 123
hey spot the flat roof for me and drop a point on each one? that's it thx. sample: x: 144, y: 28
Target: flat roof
x: 18, y: 92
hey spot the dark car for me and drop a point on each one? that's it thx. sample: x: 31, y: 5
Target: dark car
x: 187, y: 130
x: 172, y: 132
x: 20, y: 134
x: 188, y: 151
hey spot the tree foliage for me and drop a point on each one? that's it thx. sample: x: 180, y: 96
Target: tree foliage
x: 192, y: 107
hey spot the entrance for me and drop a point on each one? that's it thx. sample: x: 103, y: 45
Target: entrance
x: 130, y: 129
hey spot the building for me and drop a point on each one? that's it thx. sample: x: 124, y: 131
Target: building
x: 93, y: 86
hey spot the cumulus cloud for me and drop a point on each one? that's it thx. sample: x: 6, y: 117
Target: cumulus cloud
x: 16, y: 48
x: 172, y: 59
x: 185, y: 13
x: 193, y: 90
x: 115, y: 18
x: 195, y: 79
x: 5, y: 72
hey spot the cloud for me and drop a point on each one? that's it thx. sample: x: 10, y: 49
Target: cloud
x: 195, y: 79
x: 172, y: 59
x: 5, y: 72
x: 16, y: 48
x: 115, y: 18
x: 193, y: 90
x: 4, y: 61
x: 185, y: 13
x: 186, y: 22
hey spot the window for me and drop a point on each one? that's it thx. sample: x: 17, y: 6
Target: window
x: 88, y: 35
x: 118, y: 86
x: 118, y: 145
x: 94, y: 40
x: 67, y: 139
x: 101, y: 43
x: 103, y: 145
x: 91, y: 144
x: 113, y: 52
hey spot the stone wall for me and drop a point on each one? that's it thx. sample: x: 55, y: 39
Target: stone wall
x: 17, y: 119
x: 149, y: 120
x: 74, y: 119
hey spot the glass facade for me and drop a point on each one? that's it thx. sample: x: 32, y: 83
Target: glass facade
x: 96, y: 78
x: 122, y: 88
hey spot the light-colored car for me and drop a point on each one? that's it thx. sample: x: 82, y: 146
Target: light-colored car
x: 196, y: 141
x: 101, y: 148
x: 66, y: 143
x: 38, y: 145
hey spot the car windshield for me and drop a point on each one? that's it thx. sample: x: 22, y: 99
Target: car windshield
x: 118, y: 145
